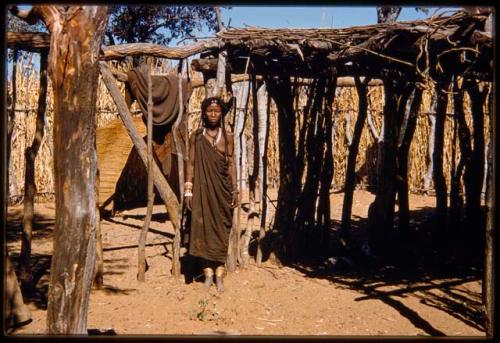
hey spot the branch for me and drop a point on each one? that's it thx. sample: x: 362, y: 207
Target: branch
x: 134, y: 49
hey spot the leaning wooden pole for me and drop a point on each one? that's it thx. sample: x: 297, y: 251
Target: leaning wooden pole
x: 176, y: 267
x: 141, y: 263
x: 29, y: 176
x: 161, y: 184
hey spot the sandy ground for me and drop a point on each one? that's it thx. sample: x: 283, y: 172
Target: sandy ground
x: 302, y: 299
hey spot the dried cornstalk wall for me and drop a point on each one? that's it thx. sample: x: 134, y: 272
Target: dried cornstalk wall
x: 345, y: 104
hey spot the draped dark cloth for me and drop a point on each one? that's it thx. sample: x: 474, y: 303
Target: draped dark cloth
x: 165, y: 95
x: 211, y: 217
x: 131, y: 188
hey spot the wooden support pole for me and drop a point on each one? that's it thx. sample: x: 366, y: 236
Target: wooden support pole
x: 15, y: 310
x: 142, y: 263
x: 12, y: 117
x: 241, y: 92
x: 437, y: 157
x: 462, y: 132
x: 490, y: 231
x: 26, y: 277
x: 381, y: 210
x: 99, y: 262
x: 406, y: 137
x: 263, y: 137
x: 161, y: 184
x: 280, y: 91
x: 327, y: 168
x: 475, y: 169
x: 176, y: 267
x: 361, y: 88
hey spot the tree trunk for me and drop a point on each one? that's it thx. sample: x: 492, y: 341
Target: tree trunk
x: 29, y: 178
x: 76, y: 35
x: 141, y: 254
x: 351, y: 160
x: 437, y: 157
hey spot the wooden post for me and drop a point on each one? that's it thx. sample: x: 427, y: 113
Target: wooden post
x: 263, y: 137
x: 241, y: 92
x: 279, y: 90
x: 490, y: 232
x: 141, y: 254
x: 475, y: 169
x: 253, y: 174
x: 99, y: 263
x: 161, y: 184
x: 12, y: 117
x: 381, y: 211
x: 323, y: 217
x: 361, y: 88
x: 430, y: 146
x: 176, y: 266
x: 437, y: 157
x: 406, y: 137
x: 29, y: 177
x: 15, y: 310
x: 76, y: 34
x: 462, y: 131
x: 307, y: 207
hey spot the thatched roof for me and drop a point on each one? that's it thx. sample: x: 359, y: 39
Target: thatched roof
x: 451, y: 43
x: 438, y: 46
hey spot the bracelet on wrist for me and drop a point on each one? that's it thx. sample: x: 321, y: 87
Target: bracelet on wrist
x: 188, y: 194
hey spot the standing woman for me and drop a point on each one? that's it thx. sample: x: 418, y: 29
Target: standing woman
x: 211, y: 191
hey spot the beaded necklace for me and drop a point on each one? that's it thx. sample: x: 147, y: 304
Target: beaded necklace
x: 217, y: 137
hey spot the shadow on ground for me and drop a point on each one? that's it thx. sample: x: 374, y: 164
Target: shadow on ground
x: 421, y: 266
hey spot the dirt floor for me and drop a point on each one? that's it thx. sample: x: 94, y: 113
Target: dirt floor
x: 428, y: 296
